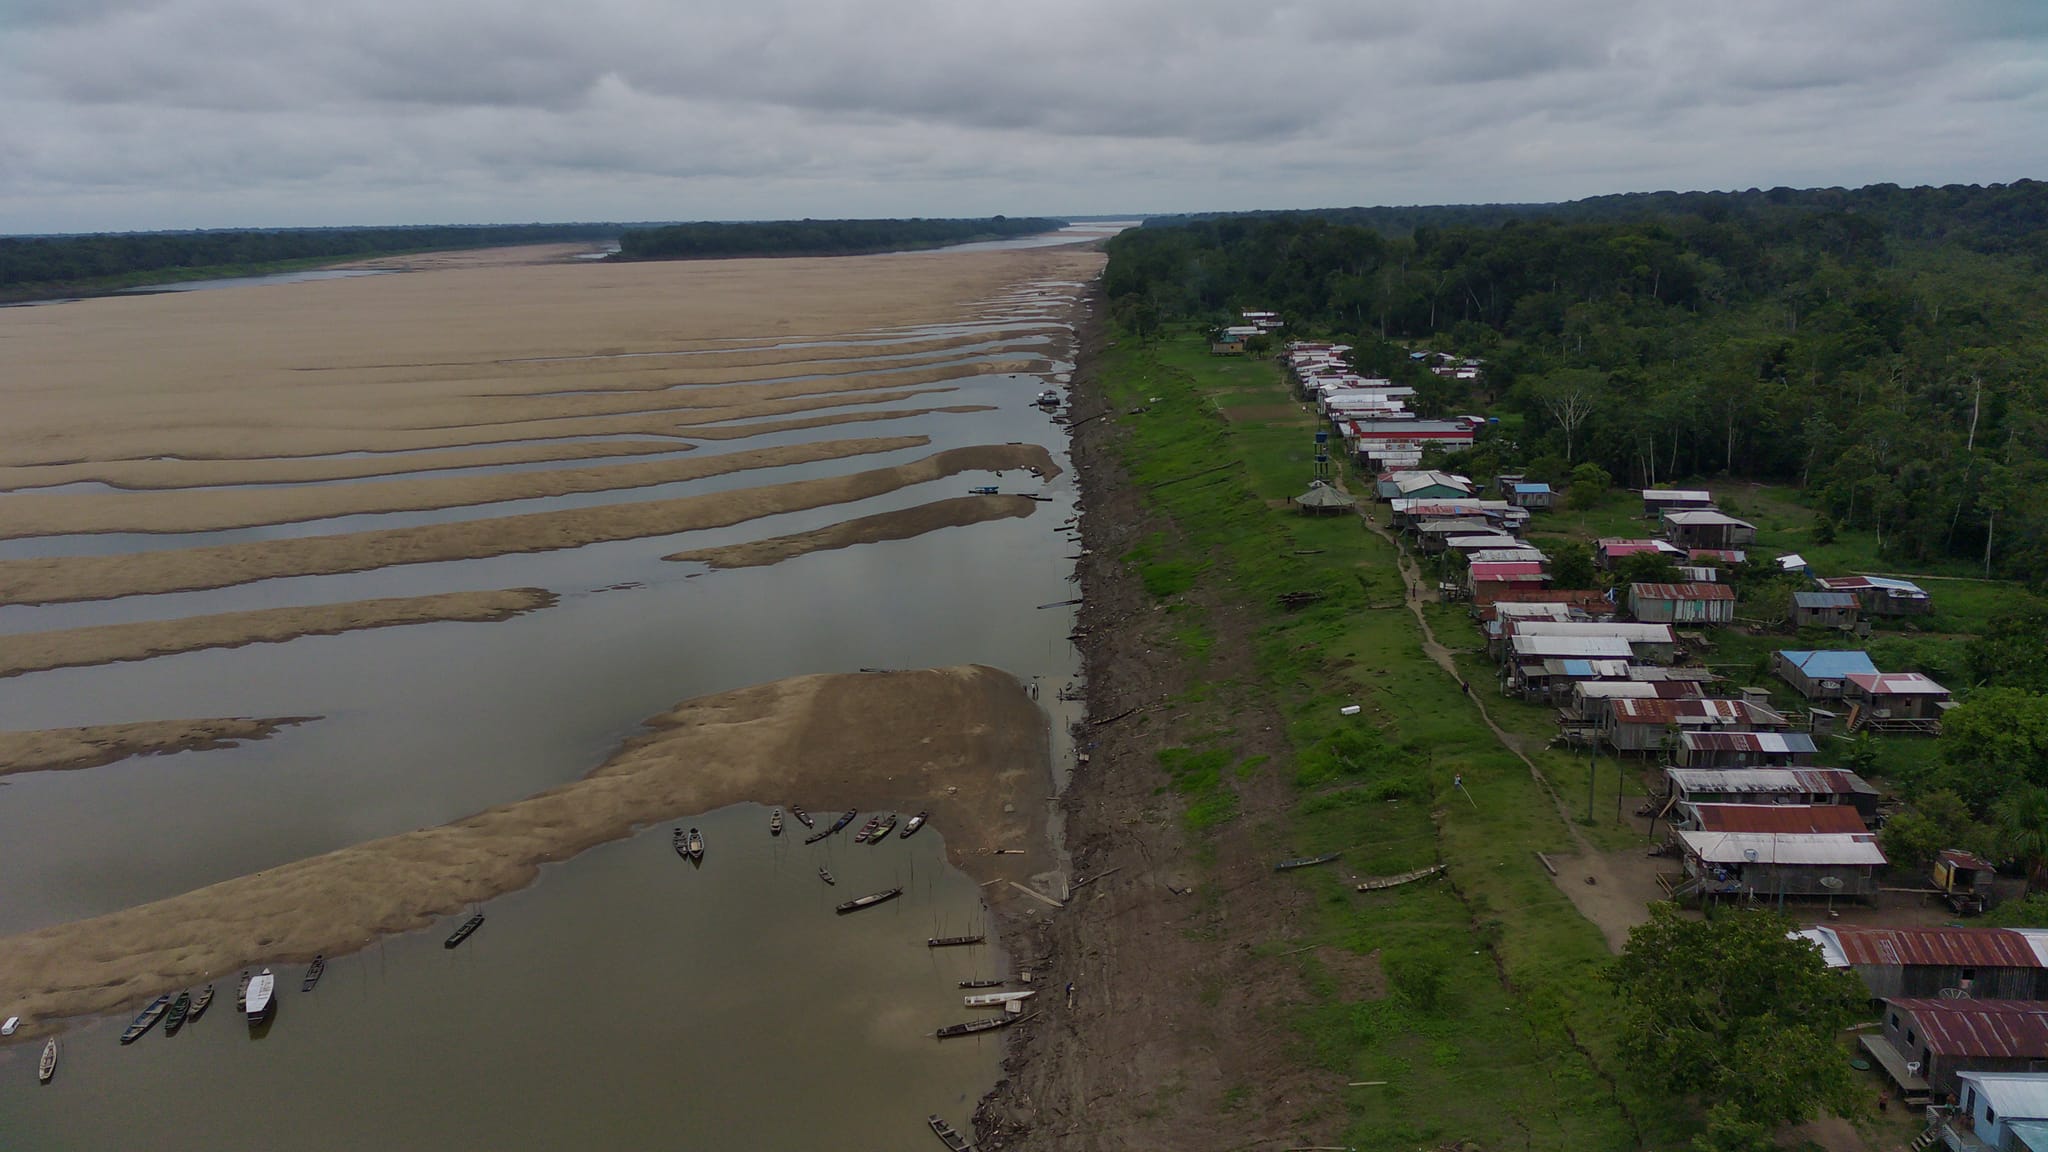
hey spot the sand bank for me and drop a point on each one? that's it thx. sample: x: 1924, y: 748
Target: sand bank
x: 903, y: 740
x: 220, y: 508
x: 154, y: 474
x: 60, y: 749
x: 902, y: 525
x: 57, y: 579
x: 111, y: 643
x: 207, y: 374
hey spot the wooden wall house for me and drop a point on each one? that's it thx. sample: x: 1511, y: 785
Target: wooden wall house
x: 1707, y: 529
x: 1682, y: 603
x: 1824, y: 610
x: 1820, y: 675
x: 1895, y: 702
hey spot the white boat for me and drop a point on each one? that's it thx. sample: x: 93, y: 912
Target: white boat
x: 8, y: 1028
x: 48, y: 1067
x: 992, y: 999
x: 257, y: 1001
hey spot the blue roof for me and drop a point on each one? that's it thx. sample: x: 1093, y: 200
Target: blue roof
x: 1579, y: 668
x: 1829, y: 665
x: 1532, y: 487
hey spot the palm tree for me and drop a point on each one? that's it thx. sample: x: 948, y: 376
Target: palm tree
x: 2022, y: 824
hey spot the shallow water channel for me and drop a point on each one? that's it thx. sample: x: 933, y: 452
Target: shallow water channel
x: 627, y: 999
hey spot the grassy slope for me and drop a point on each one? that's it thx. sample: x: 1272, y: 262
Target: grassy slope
x: 1500, y: 1029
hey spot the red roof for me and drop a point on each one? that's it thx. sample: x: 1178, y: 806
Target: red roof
x: 1506, y: 570
x: 1998, y: 1029
x: 1644, y: 710
x: 1937, y: 947
x: 1789, y: 818
x: 1594, y: 603
x: 1681, y: 591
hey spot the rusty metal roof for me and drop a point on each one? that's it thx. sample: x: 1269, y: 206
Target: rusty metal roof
x: 2002, y: 1029
x: 1681, y: 592
x: 1818, y: 818
x: 1810, y: 781
x: 1694, y: 711
x: 1937, y: 947
x: 1783, y: 743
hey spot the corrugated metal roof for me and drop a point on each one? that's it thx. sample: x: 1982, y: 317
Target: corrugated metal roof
x: 1767, y: 781
x: 1670, y: 494
x: 1523, y: 610
x: 1681, y: 592
x: 1937, y: 947
x: 1896, y: 684
x: 1615, y: 690
x: 1589, y: 647
x: 1784, y: 743
x: 1782, y: 848
x: 2003, y: 1029
x: 1824, y: 599
x: 1889, y: 584
x: 1635, y: 633
x: 1814, y: 818
x: 1692, y: 711
x: 2012, y: 1095
x: 1704, y: 517
x: 1532, y: 489
x: 1593, y: 671
x: 1502, y: 571
x: 1505, y: 555
x: 1731, y: 555
x: 1828, y: 665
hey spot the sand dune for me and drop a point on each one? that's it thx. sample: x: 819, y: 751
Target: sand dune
x: 166, y: 472
x: 58, y: 579
x: 901, y: 525
x: 111, y: 643
x: 62, y: 749
x: 966, y: 743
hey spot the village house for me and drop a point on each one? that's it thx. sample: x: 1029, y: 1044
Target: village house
x: 1707, y: 529
x: 1655, y: 725
x: 2005, y: 1111
x: 1682, y: 603
x: 1608, y: 550
x: 1769, y: 865
x: 1981, y: 963
x: 1533, y: 496
x: 1553, y: 681
x: 1824, y: 610
x: 1810, y: 819
x: 1728, y: 749
x: 1894, y: 702
x: 1490, y: 582
x: 1933, y: 1041
x: 1423, y: 485
x: 1770, y: 786
x: 1648, y: 643
x: 1365, y: 438
x: 1820, y: 675
x: 1881, y: 595
x: 1657, y: 501
x: 1592, y: 698
x: 1582, y: 602
x: 1528, y: 671
x: 1489, y: 550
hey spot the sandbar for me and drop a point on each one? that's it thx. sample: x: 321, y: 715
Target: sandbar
x: 966, y: 742
x: 141, y: 640
x: 220, y: 508
x: 60, y: 579
x: 900, y: 525
x: 156, y: 474
x: 65, y: 749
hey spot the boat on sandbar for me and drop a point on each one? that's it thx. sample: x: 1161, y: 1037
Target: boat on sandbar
x: 870, y: 900
x: 867, y: 830
x: 145, y: 1019
x: 48, y: 1067
x: 802, y: 817
x: 468, y: 928
x: 883, y: 829
x: 175, y: 1018
x: 954, y: 1140
x: 8, y: 1028
x: 260, y: 999
x: 911, y: 825
x: 313, y: 974
x: 200, y: 1003
x: 775, y: 823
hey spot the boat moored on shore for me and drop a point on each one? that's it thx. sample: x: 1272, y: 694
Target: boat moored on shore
x: 911, y: 825
x: 48, y: 1067
x: 146, y: 1019
x: 870, y: 900
x: 261, y: 997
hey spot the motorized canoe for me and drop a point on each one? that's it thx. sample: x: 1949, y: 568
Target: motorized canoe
x: 146, y: 1019
x: 982, y: 983
x: 826, y: 876
x: 8, y: 1028
x: 953, y: 1140
x: 845, y: 818
x: 998, y: 999
x: 802, y: 817
x: 911, y: 825
x: 775, y: 823
x: 953, y: 941
x: 870, y: 900
x: 313, y: 974
x: 985, y: 1024
x: 681, y: 840
x: 200, y: 1003
x: 259, y: 1002
x: 48, y: 1067
x: 175, y: 1018
x: 468, y: 928
x: 883, y: 829
x: 696, y: 846
x: 867, y: 830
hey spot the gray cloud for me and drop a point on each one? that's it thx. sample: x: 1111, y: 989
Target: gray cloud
x: 170, y: 113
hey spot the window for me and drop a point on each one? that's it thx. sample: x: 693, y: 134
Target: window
x: 1969, y: 974
x: 1990, y: 1114
x: 1910, y: 1038
x: 1895, y: 1020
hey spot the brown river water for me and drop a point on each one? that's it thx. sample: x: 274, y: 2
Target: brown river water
x: 627, y: 999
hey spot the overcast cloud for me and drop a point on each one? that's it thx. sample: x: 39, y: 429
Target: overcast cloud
x: 208, y: 113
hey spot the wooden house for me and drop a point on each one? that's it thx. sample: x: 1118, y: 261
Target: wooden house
x: 1751, y: 866
x: 1533, y: 496
x: 1948, y: 1037
x: 1770, y: 786
x: 1682, y: 603
x: 1705, y: 528
x: 1895, y: 702
x: 1490, y: 582
x: 1724, y: 748
x: 1655, y: 725
x: 1608, y: 550
x: 1648, y: 643
x: 1981, y: 963
x: 1824, y: 610
x: 2003, y: 1110
x: 1820, y: 675
x: 1656, y: 501
x: 1809, y: 819
x: 1881, y: 595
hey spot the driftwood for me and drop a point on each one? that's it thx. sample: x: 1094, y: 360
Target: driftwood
x: 1376, y: 883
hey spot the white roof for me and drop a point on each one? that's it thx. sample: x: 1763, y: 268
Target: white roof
x: 1487, y: 540
x: 1783, y: 847
x: 1704, y: 516
x: 1515, y: 610
x: 1634, y: 633
x: 1830, y: 947
x: 1694, y: 494
x: 2012, y: 1095
x: 1503, y: 555
x: 1792, y: 562
x: 1615, y: 689
x: 1572, y: 647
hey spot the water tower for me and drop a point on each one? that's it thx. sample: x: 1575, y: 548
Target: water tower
x: 1322, y: 453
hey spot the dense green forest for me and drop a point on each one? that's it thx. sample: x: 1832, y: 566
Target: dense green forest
x: 1886, y: 348
x: 817, y: 237
x: 32, y: 262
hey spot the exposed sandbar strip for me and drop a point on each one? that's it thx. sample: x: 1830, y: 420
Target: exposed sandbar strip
x: 61, y: 749
x: 220, y: 508
x: 965, y: 742
x: 58, y: 579
x: 953, y: 513
x: 111, y: 643
x: 764, y: 427
x: 152, y: 475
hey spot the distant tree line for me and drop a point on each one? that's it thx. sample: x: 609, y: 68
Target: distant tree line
x: 817, y: 237
x: 1887, y: 348
x: 63, y: 260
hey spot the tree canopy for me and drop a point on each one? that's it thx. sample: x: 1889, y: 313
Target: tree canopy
x: 817, y: 237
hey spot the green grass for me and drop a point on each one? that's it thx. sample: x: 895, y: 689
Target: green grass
x: 1516, y: 1045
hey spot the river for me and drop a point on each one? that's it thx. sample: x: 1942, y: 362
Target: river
x: 626, y: 998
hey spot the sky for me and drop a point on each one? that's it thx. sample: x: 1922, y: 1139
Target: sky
x: 145, y: 114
